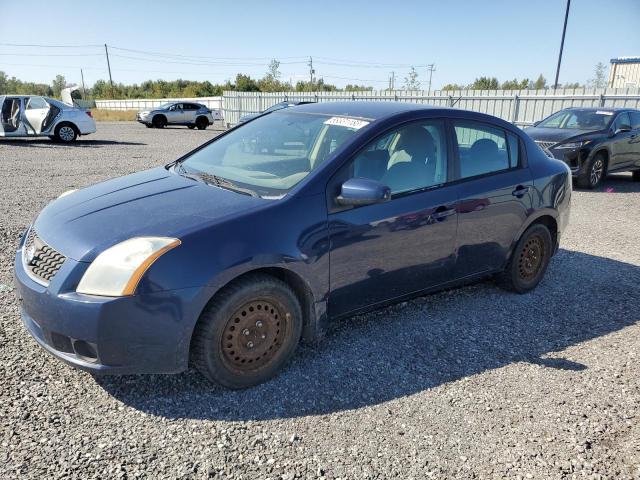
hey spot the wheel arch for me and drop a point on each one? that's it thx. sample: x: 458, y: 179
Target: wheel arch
x: 546, y: 217
x: 62, y: 123
x: 607, y: 155
x: 311, y: 330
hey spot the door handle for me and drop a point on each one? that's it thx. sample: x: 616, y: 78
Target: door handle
x: 442, y: 213
x: 520, y: 191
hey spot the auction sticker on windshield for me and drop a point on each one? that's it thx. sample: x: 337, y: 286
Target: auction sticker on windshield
x: 354, y: 123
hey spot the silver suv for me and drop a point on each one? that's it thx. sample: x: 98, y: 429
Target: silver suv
x: 192, y: 115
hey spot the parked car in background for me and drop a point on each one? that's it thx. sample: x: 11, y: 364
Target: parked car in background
x: 273, y: 108
x: 229, y: 256
x: 189, y: 114
x: 592, y: 141
x: 35, y: 116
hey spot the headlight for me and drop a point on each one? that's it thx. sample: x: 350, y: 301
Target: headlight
x: 117, y: 271
x: 68, y: 192
x: 573, y: 145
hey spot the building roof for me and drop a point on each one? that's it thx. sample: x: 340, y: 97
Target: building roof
x: 625, y: 60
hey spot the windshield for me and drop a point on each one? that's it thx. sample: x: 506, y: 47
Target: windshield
x: 273, y: 153
x: 578, y: 120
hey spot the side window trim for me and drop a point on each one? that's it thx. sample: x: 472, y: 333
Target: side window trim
x: 456, y: 159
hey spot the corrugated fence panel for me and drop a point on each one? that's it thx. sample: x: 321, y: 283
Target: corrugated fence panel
x: 522, y: 107
x: 145, y: 103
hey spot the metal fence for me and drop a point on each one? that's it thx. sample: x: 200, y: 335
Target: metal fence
x: 145, y: 103
x: 521, y: 107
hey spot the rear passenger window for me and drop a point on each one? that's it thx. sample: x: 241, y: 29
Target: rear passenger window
x: 635, y: 120
x: 483, y: 149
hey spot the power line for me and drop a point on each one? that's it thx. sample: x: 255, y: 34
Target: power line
x: 176, y: 55
x: 48, y: 46
x: 51, y: 54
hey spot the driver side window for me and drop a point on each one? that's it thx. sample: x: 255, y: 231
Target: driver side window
x: 410, y: 157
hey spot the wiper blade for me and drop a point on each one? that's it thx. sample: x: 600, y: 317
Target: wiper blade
x: 224, y: 183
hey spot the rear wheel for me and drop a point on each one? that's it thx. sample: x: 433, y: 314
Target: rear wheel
x: 202, y: 123
x: 247, y: 332
x: 159, y: 121
x: 529, y: 260
x: 594, y: 172
x: 66, y: 133
x: 635, y: 176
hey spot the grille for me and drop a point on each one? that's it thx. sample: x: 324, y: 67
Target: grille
x: 42, y: 261
x: 546, y: 146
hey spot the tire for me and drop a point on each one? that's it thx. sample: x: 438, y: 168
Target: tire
x: 148, y: 125
x: 191, y: 127
x: 635, y: 176
x: 594, y: 173
x: 159, y: 121
x: 247, y: 333
x: 66, y: 133
x: 202, y: 123
x: 529, y: 260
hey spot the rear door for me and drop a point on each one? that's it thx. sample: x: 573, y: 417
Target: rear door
x: 35, y: 113
x: 495, y: 195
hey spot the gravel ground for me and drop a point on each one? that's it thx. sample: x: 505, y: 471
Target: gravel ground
x: 468, y: 383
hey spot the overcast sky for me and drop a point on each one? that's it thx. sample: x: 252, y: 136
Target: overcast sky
x: 350, y: 41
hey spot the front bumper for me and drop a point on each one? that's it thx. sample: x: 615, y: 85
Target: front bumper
x: 575, y: 159
x: 146, y: 119
x: 138, y: 334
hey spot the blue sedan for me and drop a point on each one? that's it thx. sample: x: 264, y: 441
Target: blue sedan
x: 230, y: 256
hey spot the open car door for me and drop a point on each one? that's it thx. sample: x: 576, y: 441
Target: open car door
x: 36, y: 114
x: 11, y: 117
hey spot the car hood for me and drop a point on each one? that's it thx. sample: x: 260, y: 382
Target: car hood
x: 154, y: 202
x: 555, y: 134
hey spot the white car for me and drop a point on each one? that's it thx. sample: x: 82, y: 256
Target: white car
x: 189, y: 114
x: 34, y: 116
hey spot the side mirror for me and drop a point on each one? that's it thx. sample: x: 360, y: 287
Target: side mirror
x: 535, y: 124
x: 363, y: 191
x: 622, y: 129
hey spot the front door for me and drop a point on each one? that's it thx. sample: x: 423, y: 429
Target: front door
x: 384, y: 251
x: 11, y: 117
x: 175, y: 114
x: 495, y: 196
x: 624, y: 144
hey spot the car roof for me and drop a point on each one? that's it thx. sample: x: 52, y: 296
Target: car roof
x: 598, y: 109
x: 363, y: 109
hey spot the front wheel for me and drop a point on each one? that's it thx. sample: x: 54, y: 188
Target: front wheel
x: 594, y: 173
x: 66, y: 133
x: 247, y: 332
x: 159, y: 121
x: 529, y: 261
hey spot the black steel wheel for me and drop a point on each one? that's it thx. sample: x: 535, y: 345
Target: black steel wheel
x: 248, y: 332
x: 529, y: 260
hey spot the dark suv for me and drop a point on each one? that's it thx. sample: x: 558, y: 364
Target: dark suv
x: 592, y: 141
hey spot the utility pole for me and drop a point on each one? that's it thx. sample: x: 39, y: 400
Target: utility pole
x: 311, y: 72
x: 392, y: 81
x: 430, y: 68
x: 84, y: 95
x: 106, y: 51
x: 564, y: 31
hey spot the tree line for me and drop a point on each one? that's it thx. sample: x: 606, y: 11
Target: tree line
x: 270, y: 82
